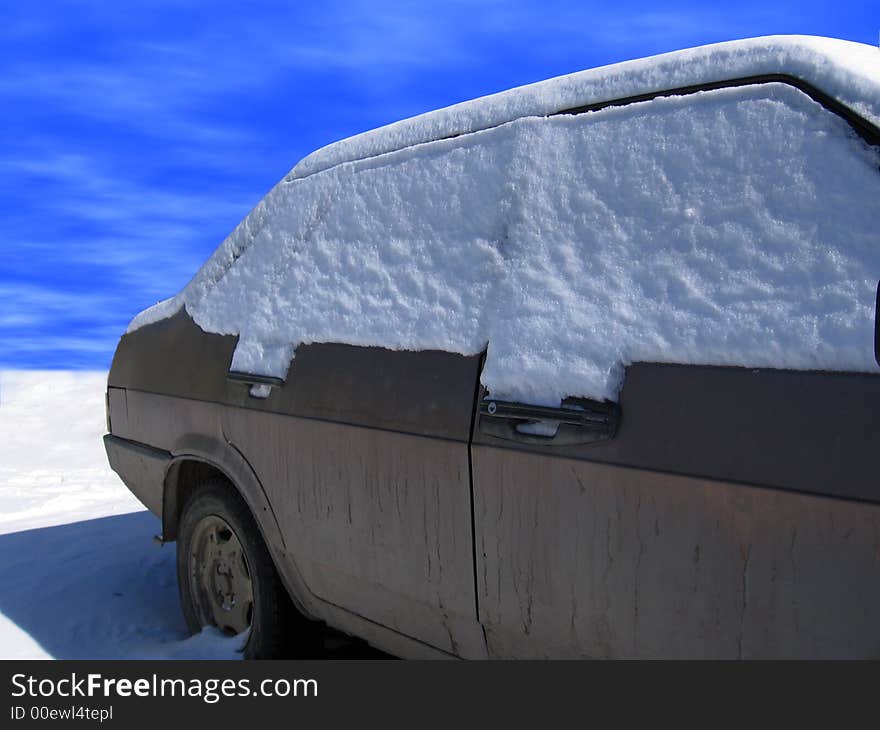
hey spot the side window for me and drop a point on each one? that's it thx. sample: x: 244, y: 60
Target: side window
x: 732, y: 227
x: 394, y: 252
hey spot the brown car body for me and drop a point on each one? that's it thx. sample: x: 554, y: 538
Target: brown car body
x: 720, y: 512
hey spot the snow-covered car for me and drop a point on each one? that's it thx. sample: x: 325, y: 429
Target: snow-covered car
x: 581, y: 369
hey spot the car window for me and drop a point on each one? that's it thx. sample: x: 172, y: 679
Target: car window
x: 731, y: 227
x: 394, y: 252
x: 728, y: 227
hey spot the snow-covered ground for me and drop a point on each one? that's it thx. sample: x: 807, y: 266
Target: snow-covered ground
x: 80, y: 576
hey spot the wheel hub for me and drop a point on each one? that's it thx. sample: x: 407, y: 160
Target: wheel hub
x: 220, y: 577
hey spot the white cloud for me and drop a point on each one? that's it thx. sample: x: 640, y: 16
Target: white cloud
x: 166, y: 82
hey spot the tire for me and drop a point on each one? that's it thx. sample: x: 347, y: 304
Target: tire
x: 227, y: 578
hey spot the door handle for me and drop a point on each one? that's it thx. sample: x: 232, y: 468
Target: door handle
x: 261, y: 385
x: 577, y: 421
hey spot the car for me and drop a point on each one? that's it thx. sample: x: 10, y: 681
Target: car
x: 587, y: 368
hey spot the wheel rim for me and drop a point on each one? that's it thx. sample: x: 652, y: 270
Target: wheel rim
x: 220, y: 578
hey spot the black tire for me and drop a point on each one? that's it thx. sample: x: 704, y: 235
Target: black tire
x: 274, y: 621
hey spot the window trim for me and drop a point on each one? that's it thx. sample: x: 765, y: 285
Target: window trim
x: 869, y: 132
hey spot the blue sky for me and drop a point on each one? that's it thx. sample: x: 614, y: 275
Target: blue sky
x: 135, y: 135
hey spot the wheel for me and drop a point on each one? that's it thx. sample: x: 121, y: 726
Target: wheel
x: 226, y: 576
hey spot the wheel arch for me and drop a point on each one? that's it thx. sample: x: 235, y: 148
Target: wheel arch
x: 191, y: 465
x: 184, y: 472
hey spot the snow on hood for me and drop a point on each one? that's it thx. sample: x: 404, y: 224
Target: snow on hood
x: 726, y: 227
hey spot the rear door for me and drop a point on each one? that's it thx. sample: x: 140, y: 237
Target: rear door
x: 363, y: 454
x: 363, y: 450
x: 717, y: 511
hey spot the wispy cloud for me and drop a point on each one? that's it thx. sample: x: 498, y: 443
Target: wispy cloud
x: 137, y: 134
x: 41, y: 324
x: 88, y: 249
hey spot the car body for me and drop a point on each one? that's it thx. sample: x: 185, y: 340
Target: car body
x: 722, y: 502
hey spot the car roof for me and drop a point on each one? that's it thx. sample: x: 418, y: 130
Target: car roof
x: 845, y: 71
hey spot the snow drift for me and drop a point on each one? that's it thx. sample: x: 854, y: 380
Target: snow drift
x: 727, y: 227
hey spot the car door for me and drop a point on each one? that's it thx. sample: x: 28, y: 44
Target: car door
x: 363, y: 448
x: 714, y: 508
x: 363, y: 453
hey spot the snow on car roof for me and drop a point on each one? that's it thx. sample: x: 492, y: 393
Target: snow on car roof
x: 847, y: 71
